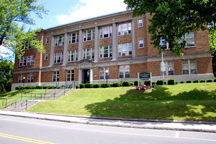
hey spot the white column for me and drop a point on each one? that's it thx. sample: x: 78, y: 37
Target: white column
x: 114, y: 42
x: 65, y: 49
x: 91, y: 75
x: 80, y: 46
x: 52, y: 49
x: 80, y: 75
x: 96, y: 45
x: 133, y: 38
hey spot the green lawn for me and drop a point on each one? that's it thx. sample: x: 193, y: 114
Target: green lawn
x: 17, y: 93
x: 195, y: 101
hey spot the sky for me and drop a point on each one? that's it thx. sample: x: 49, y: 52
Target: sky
x: 68, y: 11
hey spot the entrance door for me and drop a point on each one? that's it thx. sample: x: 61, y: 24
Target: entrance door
x: 86, y: 76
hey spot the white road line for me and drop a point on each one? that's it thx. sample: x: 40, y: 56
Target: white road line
x: 177, y: 134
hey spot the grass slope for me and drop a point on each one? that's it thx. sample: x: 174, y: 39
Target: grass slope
x: 195, y: 101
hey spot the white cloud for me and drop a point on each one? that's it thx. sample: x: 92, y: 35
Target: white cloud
x: 91, y: 8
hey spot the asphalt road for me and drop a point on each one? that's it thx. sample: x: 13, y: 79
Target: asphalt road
x: 16, y: 130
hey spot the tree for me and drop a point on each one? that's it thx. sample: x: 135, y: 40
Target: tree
x: 173, y: 18
x: 6, y: 68
x: 11, y: 35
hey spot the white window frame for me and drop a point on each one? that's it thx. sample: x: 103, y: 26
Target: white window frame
x: 20, y: 78
x: 74, y: 54
x: 141, y: 40
x: 46, y: 56
x: 88, y: 53
x: 30, y: 78
x: 57, y: 56
x: 102, y: 73
x: 59, y: 40
x: 124, y: 47
x: 47, y: 40
x: 124, y: 69
x: 124, y: 31
x: 26, y: 61
x: 106, y: 32
x: 26, y: 46
x: 140, y: 23
x: 71, y: 38
x: 70, y: 75
x: 169, y: 68
x: 55, y: 77
x: 189, y: 66
x: 90, y: 32
x: 186, y: 37
x: 109, y: 51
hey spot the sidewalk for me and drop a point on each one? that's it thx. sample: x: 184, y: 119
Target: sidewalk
x: 129, y: 123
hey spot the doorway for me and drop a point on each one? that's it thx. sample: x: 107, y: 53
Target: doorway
x: 86, y: 76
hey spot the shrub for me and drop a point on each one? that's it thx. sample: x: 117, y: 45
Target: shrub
x: 182, y: 82
x: 131, y: 84
x: 125, y: 83
x: 104, y: 85
x: 188, y: 81
x: 165, y: 82
x: 88, y: 85
x: 148, y: 82
x: 96, y: 85
x: 82, y: 85
x: 116, y: 84
x: 39, y: 87
x: 171, y: 81
x: 196, y: 81
x: 136, y: 82
x: 176, y: 82
x: 214, y: 79
x: 209, y: 80
x: 159, y: 82
x: 18, y: 88
x: 153, y: 83
x: 202, y: 81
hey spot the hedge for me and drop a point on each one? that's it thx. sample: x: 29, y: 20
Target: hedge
x: 196, y: 81
x: 82, y: 85
x: 159, y: 82
x: 209, y: 80
x: 148, y: 82
x: 214, y: 79
x: 88, y: 85
x: 35, y: 87
x: 171, y: 81
x: 182, y: 82
x: 153, y: 83
x: 165, y: 82
x: 136, y: 82
x: 125, y: 83
x: 131, y: 84
x: 96, y: 85
x: 116, y: 84
x: 104, y: 85
x: 188, y: 81
x: 202, y: 81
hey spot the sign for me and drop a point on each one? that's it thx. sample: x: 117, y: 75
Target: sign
x: 144, y: 75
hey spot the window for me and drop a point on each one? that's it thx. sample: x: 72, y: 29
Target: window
x: 72, y: 56
x: 47, y: 40
x: 189, y: 66
x: 46, y: 56
x: 26, y: 45
x: 58, y: 57
x: 124, y: 29
x: 89, y: 35
x: 125, y: 49
x: 30, y: 77
x: 140, y: 23
x: 20, y: 78
x: 124, y: 71
x: 106, y: 32
x: 169, y: 68
x: 105, y: 51
x: 26, y: 61
x: 189, y: 39
x: 70, y: 75
x: 141, y: 43
x: 59, y: 40
x: 88, y: 53
x: 163, y: 43
x: 73, y: 38
x: 55, y: 76
x: 103, y: 74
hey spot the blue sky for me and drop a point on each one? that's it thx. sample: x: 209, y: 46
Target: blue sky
x: 67, y: 11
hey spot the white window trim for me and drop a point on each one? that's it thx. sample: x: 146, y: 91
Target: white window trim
x: 124, y: 71
x: 70, y: 38
x: 56, y: 73
x: 56, y: 56
x: 128, y: 47
x: 139, y: 23
x: 31, y: 61
x: 70, y: 54
x: 189, y: 67
x: 57, y: 40
x: 120, y: 26
x: 26, y: 46
x: 102, y: 48
x: 86, y: 51
x: 30, y: 78
x: 167, y: 68
x: 105, y: 76
x: 47, y: 40
x: 85, y: 35
x: 20, y: 78
x: 102, y: 32
x: 139, y: 43
x: 46, y: 56
x: 71, y: 72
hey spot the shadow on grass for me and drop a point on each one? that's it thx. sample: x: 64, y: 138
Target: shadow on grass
x: 10, y: 94
x: 159, y: 104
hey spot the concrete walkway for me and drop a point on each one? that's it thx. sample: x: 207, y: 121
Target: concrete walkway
x: 129, y: 123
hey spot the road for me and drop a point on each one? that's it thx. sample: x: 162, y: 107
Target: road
x: 16, y: 130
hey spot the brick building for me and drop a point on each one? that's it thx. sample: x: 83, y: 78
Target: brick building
x: 115, y: 47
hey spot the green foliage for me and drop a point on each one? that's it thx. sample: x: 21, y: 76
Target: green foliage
x: 182, y: 82
x: 105, y: 85
x: 209, y: 80
x: 82, y: 85
x: 159, y: 82
x: 6, y: 75
x: 153, y: 83
x: 214, y: 79
x: 116, y: 84
x: 165, y: 82
x: 96, y: 85
x: 88, y: 85
x: 131, y: 84
x: 188, y: 81
x: 13, y: 36
x: 136, y: 82
x: 195, y: 81
x: 202, y: 81
x: 125, y: 83
x: 148, y: 82
x: 171, y: 81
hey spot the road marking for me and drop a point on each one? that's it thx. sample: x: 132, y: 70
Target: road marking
x: 24, y: 139
x: 177, y: 134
